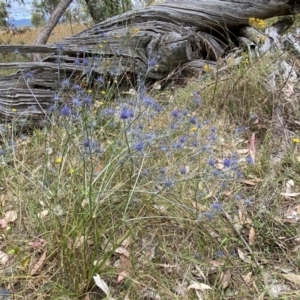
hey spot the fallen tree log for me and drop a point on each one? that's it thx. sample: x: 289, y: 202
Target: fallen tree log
x: 149, y: 43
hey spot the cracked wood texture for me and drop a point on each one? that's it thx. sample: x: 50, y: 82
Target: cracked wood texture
x: 150, y: 42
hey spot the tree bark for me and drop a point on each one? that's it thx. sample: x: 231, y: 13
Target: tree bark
x: 45, y: 33
x: 150, y: 43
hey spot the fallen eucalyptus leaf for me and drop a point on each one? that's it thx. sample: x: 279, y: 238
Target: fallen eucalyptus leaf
x: 10, y: 216
x: 290, y: 194
x: 225, y: 279
x: 38, y: 264
x: 252, y: 236
x: 101, y: 284
x: 292, y: 277
x: 3, y: 258
x: 199, y: 286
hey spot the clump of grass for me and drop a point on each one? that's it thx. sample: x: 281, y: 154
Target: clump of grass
x: 157, y: 188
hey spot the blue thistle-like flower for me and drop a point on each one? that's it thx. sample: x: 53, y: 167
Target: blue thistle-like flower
x: 139, y: 146
x: 195, y: 144
x: 185, y: 112
x: 65, y: 111
x: 88, y: 143
x: 175, y: 113
x: 238, y: 197
x: 28, y: 75
x: 152, y: 62
x: 193, y: 120
x: 227, y: 162
x: 56, y: 98
x: 240, y: 129
x: 65, y: 83
x: 209, y: 215
x: 219, y: 253
x: 85, y: 62
x: 149, y: 101
x: 52, y: 108
x: 76, y: 87
x: 211, y: 162
x: 164, y: 148
x: 76, y: 101
x: 213, y: 137
x: 5, y: 293
x: 249, y: 202
x: 126, y: 113
x: 184, y: 170
x: 216, y: 172
x: 250, y: 160
x: 173, y: 126
x: 77, y: 61
x: 168, y: 183
x: 107, y: 112
x: 197, y: 98
x: 183, y: 139
x: 100, y: 80
x: 177, y: 145
x: 60, y: 46
x: 87, y: 100
x: 102, y: 34
x: 217, y: 206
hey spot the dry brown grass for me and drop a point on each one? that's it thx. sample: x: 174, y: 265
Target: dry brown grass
x: 60, y: 31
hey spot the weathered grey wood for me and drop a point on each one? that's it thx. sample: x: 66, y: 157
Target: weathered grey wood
x: 151, y: 43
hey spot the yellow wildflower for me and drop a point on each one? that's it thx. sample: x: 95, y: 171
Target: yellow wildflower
x: 193, y: 129
x: 90, y: 91
x: 103, y: 92
x: 207, y: 68
x: 135, y: 30
x: 72, y: 171
x: 257, y: 23
x: 100, y: 46
x: 251, y: 20
x: 230, y: 61
x: 13, y: 109
x: 296, y: 140
x: 58, y: 160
